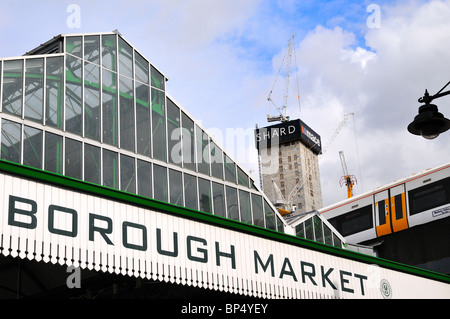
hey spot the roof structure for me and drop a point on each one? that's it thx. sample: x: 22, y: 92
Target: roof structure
x: 91, y: 106
x: 314, y: 226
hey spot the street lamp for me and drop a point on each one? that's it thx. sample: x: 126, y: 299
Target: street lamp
x: 429, y: 122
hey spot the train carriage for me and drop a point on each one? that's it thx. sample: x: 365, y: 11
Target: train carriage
x: 418, y: 199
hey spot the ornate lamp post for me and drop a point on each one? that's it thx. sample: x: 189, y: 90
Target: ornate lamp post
x: 429, y: 123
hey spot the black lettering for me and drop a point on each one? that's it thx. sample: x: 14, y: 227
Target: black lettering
x: 290, y: 272
x: 125, y: 242
x: 12, y: 211
x: 102, y: 231
x: 173, y: 253
x: 361, y: 278
x: 325, y: 277
x: 51, y: 221
x: 305, y: 274
x: 268, y: 263
x: 344, y: 281
x: 203, y: 259
x: 230, y: 255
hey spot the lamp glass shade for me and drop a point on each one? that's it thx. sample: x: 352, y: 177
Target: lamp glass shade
x: 429, y: 123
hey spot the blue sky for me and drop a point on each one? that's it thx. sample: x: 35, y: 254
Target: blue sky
x: 222, y: 58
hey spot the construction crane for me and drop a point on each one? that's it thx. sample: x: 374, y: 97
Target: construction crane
x: 283, y: 204
x: 282, y: 110
x: 280, y: 201
x: 348, y: 180
x: 336, y: 132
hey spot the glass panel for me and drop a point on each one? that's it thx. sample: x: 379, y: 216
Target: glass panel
x: 11, y: 137
x: 232, y: 203
x: 173, y: 133
x: 144, y: 176
x: 157, y: 79
x: 143, y: 119
x: 309, y: 232
x: 73, y: 45
x: 55, y: 92
x: 127, y: 174
x: 160, y: 175
x: 176, y: 188
x: 73, y: 159
x: 353, y: 222
x: 204, y: 195
x: 257, y: 207
x: 126, y: 114
x: 188, y: 142
x: 328, y: 235
x: 92, y: 164
x: 92, y: 101
x: 190, y: 191
x: 219, y: 199
x: 125, y: 58
x: 300, y: 230
x: 202, y: 158
x: 109, y: 95
x: 398, y: 204
x: 280, y: 225
x: 53, y: 153
x: 158, y: 125
x: 230, y: 170
x: 34, y: 89
x: 244, y: 206
x: 110, y: 169
x: 73, y: 95
x: 336, y: 241
x: 109, y: 52
x: 92, y: 49
x: 318, y: 232
x: 270, y: 215
x: 242, y: 177
x: 32, y: 147
x: 12, y: 87
x: 216, y: 161
x: 429, y: 196
x: 142, y: 69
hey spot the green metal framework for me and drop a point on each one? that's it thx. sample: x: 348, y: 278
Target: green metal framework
x: 92, y: 107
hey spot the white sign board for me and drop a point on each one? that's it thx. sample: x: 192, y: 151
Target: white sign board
x: 55, y: 224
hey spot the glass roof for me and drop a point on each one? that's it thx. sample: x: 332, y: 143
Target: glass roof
x: 91, y: 106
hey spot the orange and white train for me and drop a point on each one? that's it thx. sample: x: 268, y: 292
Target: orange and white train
x: 418, y: 199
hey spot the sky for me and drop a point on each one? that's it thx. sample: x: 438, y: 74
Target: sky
x: 222, y: 57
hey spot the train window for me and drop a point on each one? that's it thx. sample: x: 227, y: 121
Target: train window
x: 353, y: 222
x: 429, y: 196
x: 381, y: 212
x: 398, y: 207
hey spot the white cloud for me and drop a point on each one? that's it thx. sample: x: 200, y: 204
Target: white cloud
x: 407, y: 54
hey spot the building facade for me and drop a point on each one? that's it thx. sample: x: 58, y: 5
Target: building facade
x: 289, y: 165
x: 92, y: 107
x: 102, y: 171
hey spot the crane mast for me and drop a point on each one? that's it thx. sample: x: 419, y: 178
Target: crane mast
x: 348, y: 180
x: 336, y: 132
x: 283, y: 117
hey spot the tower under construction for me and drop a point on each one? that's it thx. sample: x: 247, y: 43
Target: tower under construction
x: 289, y: 168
